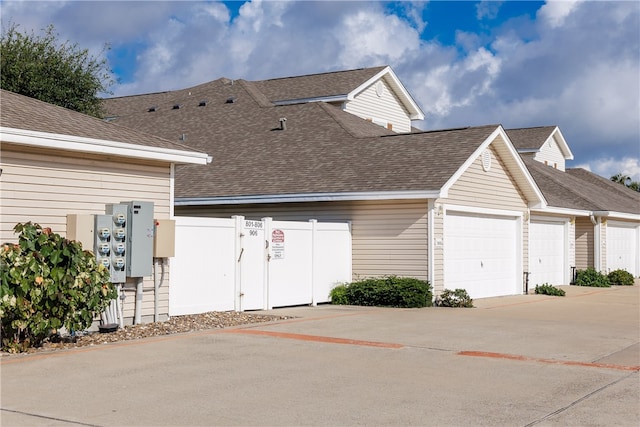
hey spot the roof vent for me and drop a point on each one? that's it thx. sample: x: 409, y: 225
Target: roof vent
x: 283, y: 123
x: 177, y: 106
x: 183, y: 137
x: 152, y: 109
x: 230, y: 100
x: 202, y: 103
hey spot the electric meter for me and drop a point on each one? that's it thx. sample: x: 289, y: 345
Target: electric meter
x: 118, y: 263
x: 119, y: 219
x: 119, y: 233
x: 119, y: 248
x: 105, y: 261
x: 104, y: 233
x: 104, y: 248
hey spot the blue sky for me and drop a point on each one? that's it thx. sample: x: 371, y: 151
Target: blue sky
x: 570, y: 63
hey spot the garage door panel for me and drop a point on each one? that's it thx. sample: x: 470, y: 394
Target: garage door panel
x: 481, y: 254
x: 547, y: 253
x: 622, y: 247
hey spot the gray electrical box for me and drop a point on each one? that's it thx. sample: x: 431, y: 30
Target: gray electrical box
x: 140, y: 229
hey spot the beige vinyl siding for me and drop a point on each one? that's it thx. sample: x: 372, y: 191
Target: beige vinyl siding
x: 388, y: 237
x: 584, y: 235
x: 43, y: 186
x: 380, y: 110
x: 551, y: 153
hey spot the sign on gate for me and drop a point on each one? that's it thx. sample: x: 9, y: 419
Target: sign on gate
x: 277, y: 244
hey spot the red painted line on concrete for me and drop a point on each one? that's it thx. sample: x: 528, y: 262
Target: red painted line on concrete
x: 549, y: 361
x: 314, y: 338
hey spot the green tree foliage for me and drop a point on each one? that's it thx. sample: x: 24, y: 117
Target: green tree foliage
x: 48, y: 282
x: 41, y: 67
x: 625, y: 180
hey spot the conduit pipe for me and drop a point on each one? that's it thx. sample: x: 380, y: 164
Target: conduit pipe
x: 139, y: 297
x: 156, y: 287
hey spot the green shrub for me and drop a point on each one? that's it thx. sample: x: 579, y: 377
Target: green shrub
x: 591, y: 277
x: 455, y: 298
x: 48, y: 282
x: 339, y: 295
x: 391, y: 291
x: 547, y: 289
x: 620, y: 278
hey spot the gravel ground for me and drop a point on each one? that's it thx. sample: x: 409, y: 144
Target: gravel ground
x: 175, y: 325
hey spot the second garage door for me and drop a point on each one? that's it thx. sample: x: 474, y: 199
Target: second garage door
x: 481, y: 254
x: 547, y: 253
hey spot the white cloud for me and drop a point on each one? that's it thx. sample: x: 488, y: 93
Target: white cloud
x: 555, y: 12
x: 608, y: 167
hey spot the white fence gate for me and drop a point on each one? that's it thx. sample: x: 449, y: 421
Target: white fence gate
x: 237, y: 264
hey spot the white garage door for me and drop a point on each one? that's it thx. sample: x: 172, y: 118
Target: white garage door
x: 547, y: 253
x: 622, y: 247
x: 481, y: 254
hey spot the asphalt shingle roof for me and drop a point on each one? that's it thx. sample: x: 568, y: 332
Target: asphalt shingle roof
x: 316, y: 85
x: 529, y: 138
x: 582, y: 190
x: 21, y: 112
x: 323, y: 149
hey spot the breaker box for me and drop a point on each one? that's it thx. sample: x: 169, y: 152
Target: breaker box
x: 164, y: 243
x: 140, y: 232
x: 110, y: 242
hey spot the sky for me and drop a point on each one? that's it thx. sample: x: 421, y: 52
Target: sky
x: 574, y: 64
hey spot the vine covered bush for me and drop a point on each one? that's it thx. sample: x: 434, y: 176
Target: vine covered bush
x: 390, y: 291
x: 620, y: 278
x: 455, y: 298
x: 547, y: 289
x: 48, y: 282
x: 591, y: 277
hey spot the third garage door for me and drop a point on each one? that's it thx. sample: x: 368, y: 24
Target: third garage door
x: 481, y: 254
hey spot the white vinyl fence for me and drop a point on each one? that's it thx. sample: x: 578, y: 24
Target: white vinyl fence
x: 236, y: 264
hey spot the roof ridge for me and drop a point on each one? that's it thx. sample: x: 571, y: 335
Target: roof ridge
x: 534, y: 127
x: 320, y: 74
x: 258, y: 96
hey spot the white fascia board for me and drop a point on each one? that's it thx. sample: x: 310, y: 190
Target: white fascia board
x: 561, y: 211
x: 415, y: 112
x: 310, y: 197
x: 328, y: 99
x: 100, y: 146
x: 564, y: 147
x: 617, y: 215
x: 539, y: 201
x: 528, y: 150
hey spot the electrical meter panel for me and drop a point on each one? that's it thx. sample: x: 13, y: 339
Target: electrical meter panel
x: 106, y: 247
x: 118, y: 240
x: 140, y: 231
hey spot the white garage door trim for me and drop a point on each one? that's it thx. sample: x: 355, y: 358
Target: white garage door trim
x: 623, y: 250
x: 548, y: 251
x: 483, y: 251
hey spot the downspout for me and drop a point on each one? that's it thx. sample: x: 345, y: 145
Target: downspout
x: 597, y: 262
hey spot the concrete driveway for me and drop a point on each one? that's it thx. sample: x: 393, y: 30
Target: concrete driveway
x: 513, y: 361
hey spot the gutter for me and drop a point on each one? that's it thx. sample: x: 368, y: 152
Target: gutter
x: 305, y: 198
x: 101, y: 146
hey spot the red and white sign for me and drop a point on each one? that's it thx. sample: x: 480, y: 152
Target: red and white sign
x: 277, y: 244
